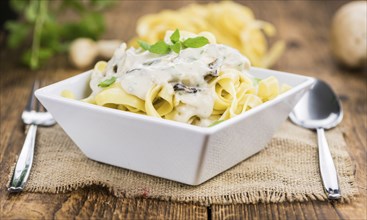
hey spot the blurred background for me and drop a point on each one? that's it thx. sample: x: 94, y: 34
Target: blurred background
x: 74, y: 34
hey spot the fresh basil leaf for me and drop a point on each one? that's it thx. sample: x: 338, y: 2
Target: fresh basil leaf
x: 196, y: 42
x: 175, y: 37
x: 160, y: 48
x: 144, y: 45
x: 176, y: 47
x: 107, y: 82
x: 215, y: 123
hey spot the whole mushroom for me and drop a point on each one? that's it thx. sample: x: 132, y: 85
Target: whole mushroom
x: 84, y: 51
x: 348, y: 34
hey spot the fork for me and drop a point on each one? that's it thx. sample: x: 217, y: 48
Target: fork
x: 33, y: 115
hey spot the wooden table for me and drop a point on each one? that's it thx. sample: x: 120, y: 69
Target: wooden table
x: 304, y: 25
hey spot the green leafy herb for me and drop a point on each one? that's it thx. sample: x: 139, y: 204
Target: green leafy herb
x: 176, y: 47
x: 216, y: 122
x: 175, y: 37
x: 107, y: 82
x: 144, y: 45
x: 38, y: 21
x: 160, y: 48
x: 196, y: 42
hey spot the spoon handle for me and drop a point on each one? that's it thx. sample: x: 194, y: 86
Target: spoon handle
x: 327, y: 167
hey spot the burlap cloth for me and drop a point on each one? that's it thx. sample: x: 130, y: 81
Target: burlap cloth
x: 287, y: 170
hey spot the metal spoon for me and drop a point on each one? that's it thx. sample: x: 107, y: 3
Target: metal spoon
x: 320, y: 109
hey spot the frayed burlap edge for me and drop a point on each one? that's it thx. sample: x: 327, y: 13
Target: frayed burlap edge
x: 239, y: 198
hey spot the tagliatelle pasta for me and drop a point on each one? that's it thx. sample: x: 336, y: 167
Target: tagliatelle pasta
x: 231, y: 23
x: 186, y: 78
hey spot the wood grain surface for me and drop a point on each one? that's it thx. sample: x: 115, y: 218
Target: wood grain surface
x: 304, y: 25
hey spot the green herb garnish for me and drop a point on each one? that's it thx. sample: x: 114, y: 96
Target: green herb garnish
x: 107, y: 82
x: 176, y: 47
x: 175, y: 37
x: 162, y: 47
x: 196, y: 42
x: 144, y: 45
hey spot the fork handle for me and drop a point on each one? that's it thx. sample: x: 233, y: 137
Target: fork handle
x: 24, y: 163
x: 327, y: 167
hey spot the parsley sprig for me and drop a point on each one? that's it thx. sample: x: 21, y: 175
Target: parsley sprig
x: 162, y: 47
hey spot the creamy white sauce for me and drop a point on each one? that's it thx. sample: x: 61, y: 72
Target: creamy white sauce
x: 137, y: 71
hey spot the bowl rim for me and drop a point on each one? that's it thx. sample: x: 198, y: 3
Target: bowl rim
x: 42, y: 92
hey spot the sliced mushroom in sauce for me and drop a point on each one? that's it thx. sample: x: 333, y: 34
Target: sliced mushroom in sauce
x: 132, y: 70
x: 115, y: 68
x: 150, y: 62
x: 182, y: 87
x: 213, y: 66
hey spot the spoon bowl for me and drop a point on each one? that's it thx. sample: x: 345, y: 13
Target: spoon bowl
x: 320, y: 109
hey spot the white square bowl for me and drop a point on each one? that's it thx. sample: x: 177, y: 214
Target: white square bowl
x: 163, y: 148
